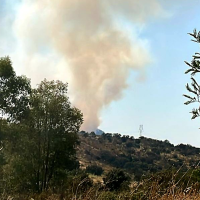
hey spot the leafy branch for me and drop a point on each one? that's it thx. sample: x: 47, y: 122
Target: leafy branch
x: 194, y: 87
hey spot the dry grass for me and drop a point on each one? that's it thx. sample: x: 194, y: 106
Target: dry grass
x: 96, y: 193
x: 159, y: 187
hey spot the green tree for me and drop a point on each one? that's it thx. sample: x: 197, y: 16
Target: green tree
x: 56, y: 125
x: 14, y: 108
x: 46, y: 141
x: 194, y: 88
x: 39, y: 129
x: 14, y: 92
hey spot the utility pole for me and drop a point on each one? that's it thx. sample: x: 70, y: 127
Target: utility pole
x: 141, y: 130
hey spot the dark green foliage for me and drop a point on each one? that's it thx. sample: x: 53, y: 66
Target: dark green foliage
x: 196, y: 175
x: 85, y: 134
x: 94, y: 169
x: 124, y: 138
x: 149, y: 157
x: 129, y: 166
x: 129, y: 144
x: 55, y: 124
x: 187, y: 149
x: 116, y: 179
x: 109, y: 136
x: 38, y: 133
x: 92, y: 134
x: 114, y: 160
x: 6, y: 69
x: 14, y: 92
x: 42, y: 149
x: 107, y: 156
x: 194, y: 68
x: 120, y: 162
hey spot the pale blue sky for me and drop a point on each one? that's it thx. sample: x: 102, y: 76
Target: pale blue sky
x: 155, y: 102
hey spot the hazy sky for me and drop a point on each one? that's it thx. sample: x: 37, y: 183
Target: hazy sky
x: 138, y: 49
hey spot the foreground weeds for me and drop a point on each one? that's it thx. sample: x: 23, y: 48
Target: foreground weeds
x: 136, y: 193
x: 166, y: 185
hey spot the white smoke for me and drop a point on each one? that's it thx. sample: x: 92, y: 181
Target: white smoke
x: 87, y: 44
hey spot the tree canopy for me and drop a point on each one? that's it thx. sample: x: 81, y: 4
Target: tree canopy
x: 14, y: 92
x: 38, y: 128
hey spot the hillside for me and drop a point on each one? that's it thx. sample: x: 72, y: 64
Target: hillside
x: 141, y: 156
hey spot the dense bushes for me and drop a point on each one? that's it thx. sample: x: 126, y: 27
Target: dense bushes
x: 116, y: 179
x: 94, y: 169
x: 141, y: 156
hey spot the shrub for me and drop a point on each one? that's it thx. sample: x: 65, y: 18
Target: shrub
x: 78, y: 183
x: 116, y: 179
x: 94, y: 169
x: 129, y: 144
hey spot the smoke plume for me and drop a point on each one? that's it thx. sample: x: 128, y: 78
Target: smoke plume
x: 91, y: 44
